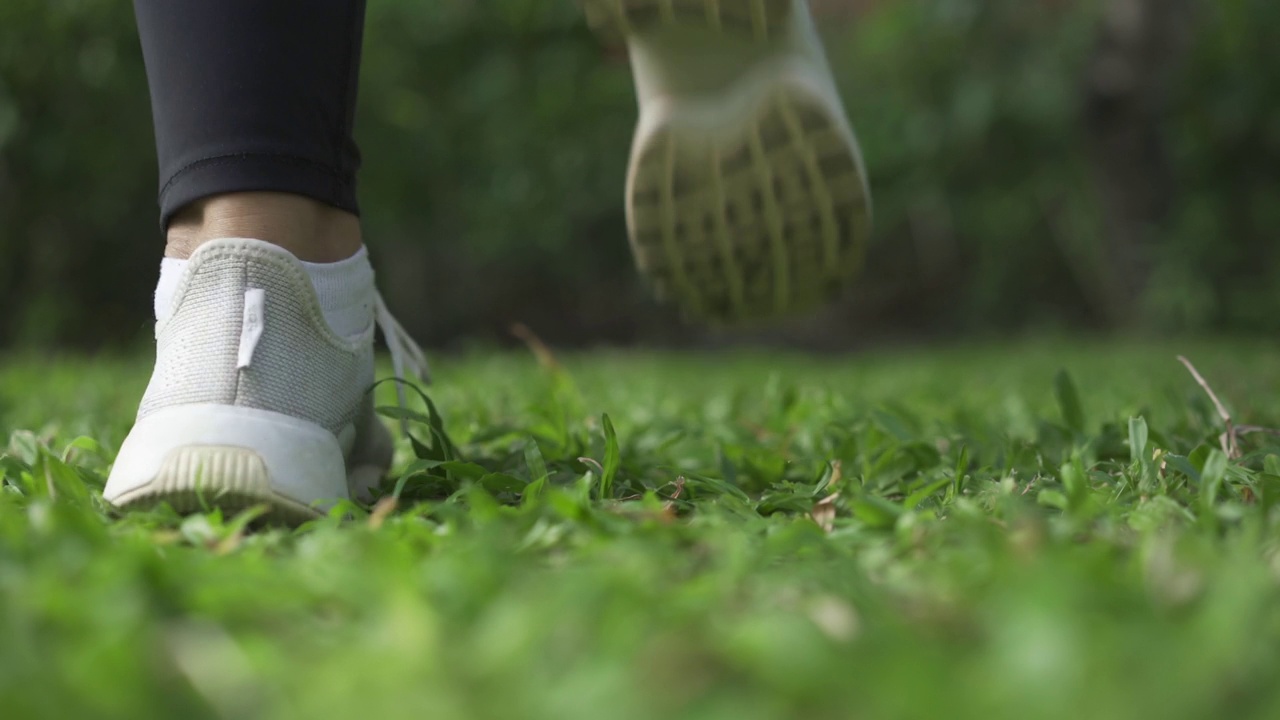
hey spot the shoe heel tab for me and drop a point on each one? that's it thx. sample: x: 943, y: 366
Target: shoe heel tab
x: 245, y: 252
x: 246, y: 246
x: 242, y: 252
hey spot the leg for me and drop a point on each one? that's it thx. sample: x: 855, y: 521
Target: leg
x: 266, y: 307
x: 254, y: 102
x: 746, y: 197
x: 311, y: 230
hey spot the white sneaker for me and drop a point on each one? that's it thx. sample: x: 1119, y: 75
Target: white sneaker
x: 746, y: 196
x: 255, y: 400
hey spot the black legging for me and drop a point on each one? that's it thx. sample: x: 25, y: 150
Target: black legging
x: 253, y: 95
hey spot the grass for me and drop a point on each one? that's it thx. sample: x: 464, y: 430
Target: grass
x: 1006, y: 540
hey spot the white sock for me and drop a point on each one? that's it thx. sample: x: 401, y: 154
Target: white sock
x: 345, y: 289
x: 346, y: 293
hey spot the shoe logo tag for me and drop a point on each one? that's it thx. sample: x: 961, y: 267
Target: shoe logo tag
x: 255, y: 320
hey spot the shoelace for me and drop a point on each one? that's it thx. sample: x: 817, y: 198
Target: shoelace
x: 407, y: 358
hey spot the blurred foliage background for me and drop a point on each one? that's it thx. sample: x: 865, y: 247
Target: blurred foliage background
x: 1062, y: 164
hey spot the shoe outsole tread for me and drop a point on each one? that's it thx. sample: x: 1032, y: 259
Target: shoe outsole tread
x: 773, y: 221
x: 760, y: 19
x: 199, y: 478
x: 763, y: 217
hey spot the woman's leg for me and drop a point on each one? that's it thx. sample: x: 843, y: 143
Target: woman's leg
x: 266, y: 304
x: 253, y: 102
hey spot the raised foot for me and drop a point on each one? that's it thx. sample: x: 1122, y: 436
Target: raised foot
x: 768, y: 219
x: 761, y: 19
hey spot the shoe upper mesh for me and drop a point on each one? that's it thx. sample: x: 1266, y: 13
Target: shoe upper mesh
x: 299, y: 368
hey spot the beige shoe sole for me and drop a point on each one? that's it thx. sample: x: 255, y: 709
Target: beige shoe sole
x: 201, y: 478
x: 620, y: 18
x: 751, y: 202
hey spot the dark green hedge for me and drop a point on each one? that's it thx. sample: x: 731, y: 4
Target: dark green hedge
x: 1016, y: 184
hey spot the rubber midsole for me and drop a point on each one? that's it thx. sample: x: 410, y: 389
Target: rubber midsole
x: 304, y: 461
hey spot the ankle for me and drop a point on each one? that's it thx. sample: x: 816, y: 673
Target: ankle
x: 311, y: 231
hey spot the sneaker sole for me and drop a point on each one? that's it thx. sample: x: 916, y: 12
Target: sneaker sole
x: 198, y: 479
x: 758, y: 208
x: 200, y: 457
x: 620, y: 18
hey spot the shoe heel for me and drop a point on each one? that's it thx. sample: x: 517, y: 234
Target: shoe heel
x: 761, y: 19
x: 200, y: 456
x: 232, y: 479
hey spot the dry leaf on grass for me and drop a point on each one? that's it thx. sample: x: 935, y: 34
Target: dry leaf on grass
x: 382, y: 511
x: 824, y: 513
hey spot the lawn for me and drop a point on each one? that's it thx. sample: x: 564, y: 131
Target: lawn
x: 1035, y: 530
